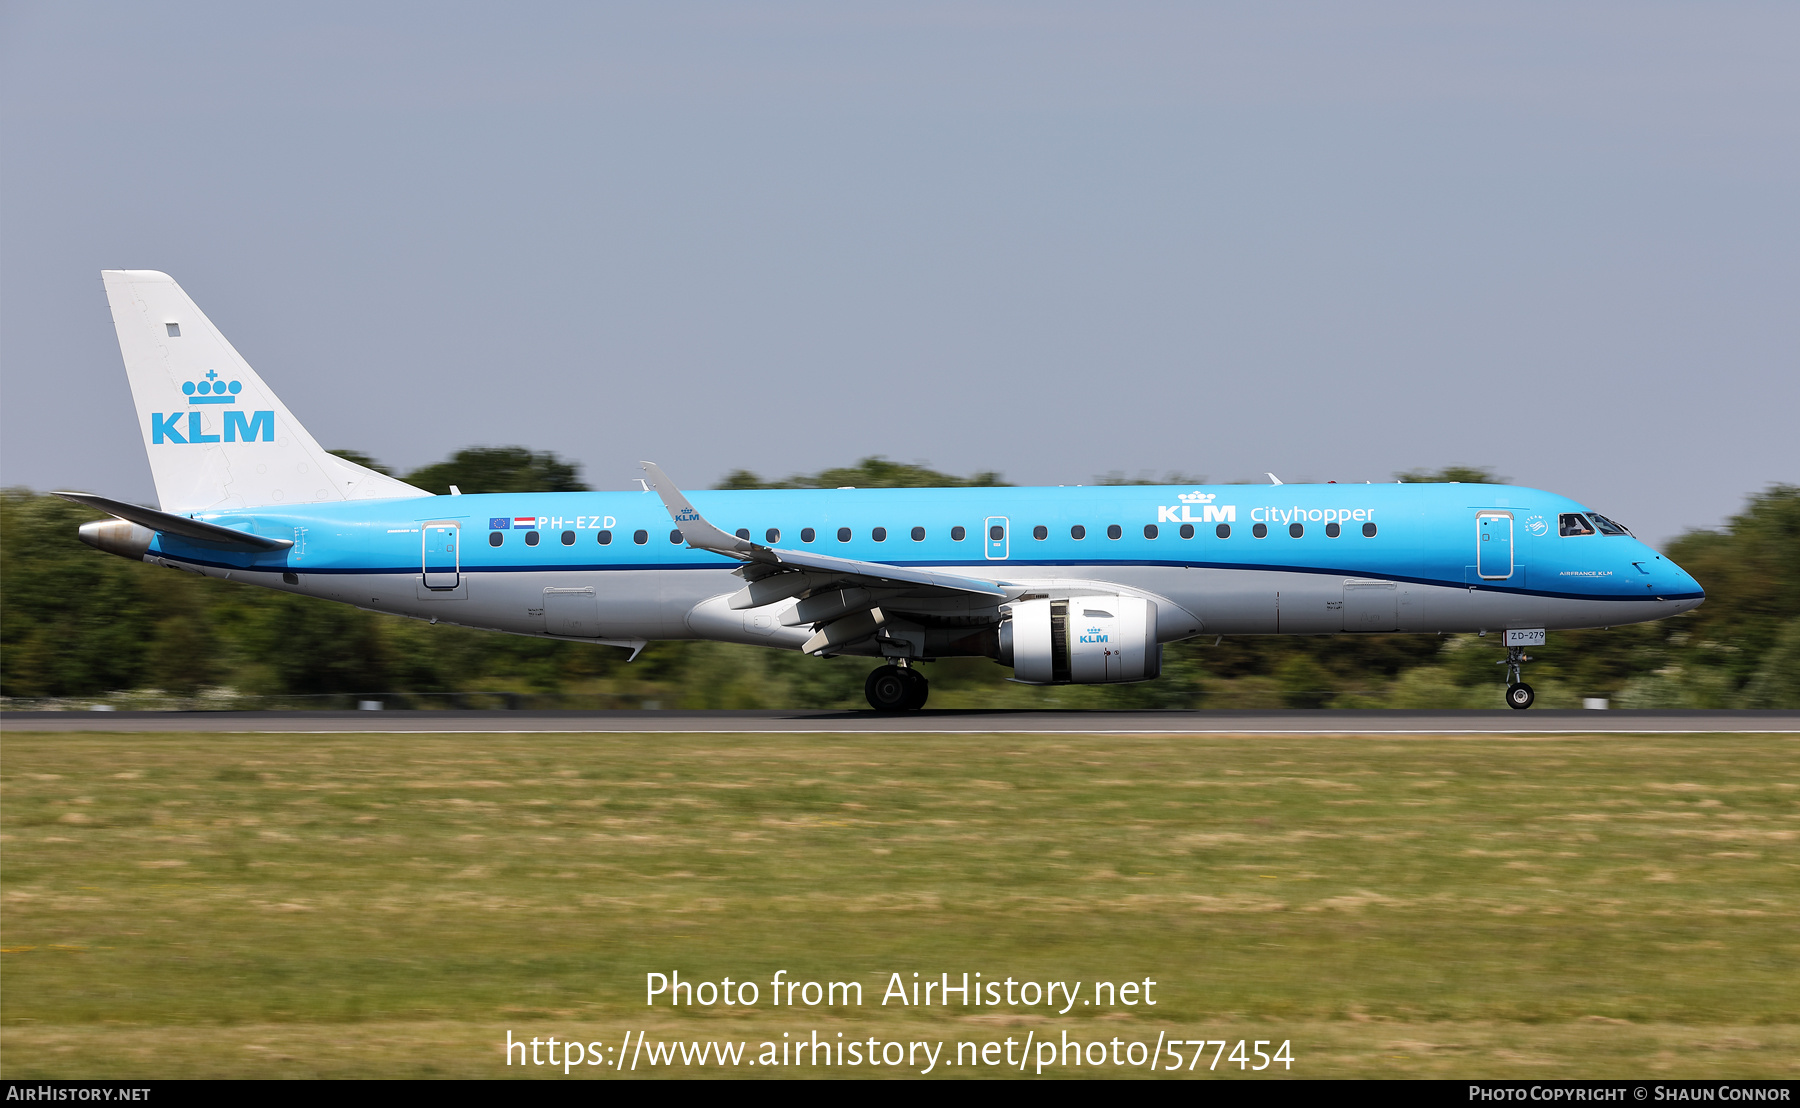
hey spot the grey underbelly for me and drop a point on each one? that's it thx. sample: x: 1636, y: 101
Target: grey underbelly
x: 661, y: 604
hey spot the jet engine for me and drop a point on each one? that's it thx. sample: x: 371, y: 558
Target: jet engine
x: 1083, y: 640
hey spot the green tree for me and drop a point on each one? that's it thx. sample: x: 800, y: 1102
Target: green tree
x: 1777, y: 681
x: 1751, y: 574
x: 362, y: 459
x: 1468, y: 475
x: 73, y: 620
x: 1173, y: 477
x: 1304, y: 682
x: 874, y: 472
x: 499, y: 469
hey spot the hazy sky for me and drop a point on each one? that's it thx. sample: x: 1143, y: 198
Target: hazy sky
x: 1329, y: 240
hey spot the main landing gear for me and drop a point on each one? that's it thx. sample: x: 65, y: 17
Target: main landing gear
x: 896, y: 689
x: 1518, y: 693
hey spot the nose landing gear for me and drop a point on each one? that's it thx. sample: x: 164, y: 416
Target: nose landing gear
x: 1518, y: 693
x: 896, y: 689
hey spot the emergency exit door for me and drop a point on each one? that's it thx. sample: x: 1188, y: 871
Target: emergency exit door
x: 443, y: 564
x: 1494, y: 545
x: 997, y: 538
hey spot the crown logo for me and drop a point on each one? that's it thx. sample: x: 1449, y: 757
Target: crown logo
x: 212, y: 390
x: 1197, y: 497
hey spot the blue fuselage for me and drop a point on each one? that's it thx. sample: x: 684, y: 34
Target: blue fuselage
x: 1220, y: 559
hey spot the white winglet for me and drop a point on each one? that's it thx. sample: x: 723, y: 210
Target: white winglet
x: 702, y: 535
x: 694, y: 528
x: 1273, y: 480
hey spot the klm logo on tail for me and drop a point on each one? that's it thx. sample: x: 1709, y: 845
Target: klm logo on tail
x: 258, y: 426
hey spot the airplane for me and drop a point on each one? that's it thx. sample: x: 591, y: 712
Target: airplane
x: 1080, y: 585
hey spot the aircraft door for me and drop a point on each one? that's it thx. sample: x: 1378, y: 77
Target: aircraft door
x: 443, y: 556
x: 1371, y: 606
x: 574, y: 612
x: 996, y: 536
x: 1494, y: 545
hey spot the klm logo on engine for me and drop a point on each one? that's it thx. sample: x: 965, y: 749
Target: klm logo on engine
x: 1094, y: 634
x: 1184, y: 511
x: 237, y: 426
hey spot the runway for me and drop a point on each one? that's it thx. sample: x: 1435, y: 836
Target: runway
x: 946, y: 722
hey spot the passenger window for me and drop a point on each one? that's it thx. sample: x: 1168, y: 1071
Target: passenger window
x: 1261, y: 530
x: 1571, y: 524
x: 1223, y: 530
x: 996, y: 532
x: 495, y: 538
x: 1607, y: 526
x: 807, y: 534
x: 918, y: 534
x: 743, y: 533
x: 604, y: 538
x: 1187, y: 530
x: 1040, y: 532
x: 1113, y: 531
x: 640, y: 537
x: 1296, y: 529
x: 957, y: 534
x: 1368, y: 530
x: 772, y: 535
x: 531, y: 538
x: 1078, y: 532
x: 1332, y: 530
x: 879, y: 534
x: 843, y: 534
x: 675, y: 537
x: 1149, y: 530
x: 568, y: 538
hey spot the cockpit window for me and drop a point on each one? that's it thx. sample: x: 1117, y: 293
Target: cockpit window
x: 1573, y: 523
x: 1607, y: 526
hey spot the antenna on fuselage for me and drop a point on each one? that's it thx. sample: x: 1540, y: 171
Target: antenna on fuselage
x: 1273, y: 480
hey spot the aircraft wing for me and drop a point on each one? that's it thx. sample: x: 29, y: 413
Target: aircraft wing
x: 702, y: 535
x: 842, y: 598
x: 879, y: 575
x: 192, y: 529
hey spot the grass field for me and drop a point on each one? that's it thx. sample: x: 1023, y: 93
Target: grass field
x: 240, y: 905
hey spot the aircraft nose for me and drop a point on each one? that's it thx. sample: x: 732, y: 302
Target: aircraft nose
x: 1677, y: 583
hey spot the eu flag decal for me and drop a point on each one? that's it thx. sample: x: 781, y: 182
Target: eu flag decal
x: 499, y: 523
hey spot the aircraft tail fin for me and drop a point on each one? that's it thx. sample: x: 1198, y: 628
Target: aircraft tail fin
x: 217, y: 436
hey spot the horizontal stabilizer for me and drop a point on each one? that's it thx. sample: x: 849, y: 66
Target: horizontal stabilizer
x: 191, y: 529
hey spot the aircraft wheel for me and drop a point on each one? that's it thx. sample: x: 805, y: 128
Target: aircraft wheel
x: 889, y: 689
x: 921, y: 689
x: 1519, y: 696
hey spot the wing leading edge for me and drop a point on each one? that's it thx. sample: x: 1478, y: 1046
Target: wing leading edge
x: 842, y: 598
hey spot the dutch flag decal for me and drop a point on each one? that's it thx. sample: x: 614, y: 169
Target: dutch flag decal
x: 524, y: 521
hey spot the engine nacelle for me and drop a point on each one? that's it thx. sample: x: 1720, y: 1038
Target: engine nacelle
x: 1084, y: 640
